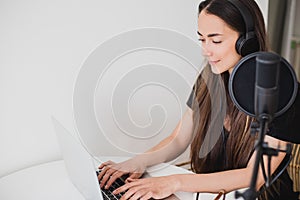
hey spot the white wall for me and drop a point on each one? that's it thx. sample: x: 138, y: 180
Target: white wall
x: 45, y: 44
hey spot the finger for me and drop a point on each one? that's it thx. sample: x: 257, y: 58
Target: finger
x: 113, y: 178
x: 124, y: 188
x: 147, y: 196
x: 102, y: 173
x: 105, y: 164
x: 138, y: 194
x: 129, y: 193
x: 131, y: 179
x: 106, y: 176
x: 104, y: 179
x: 134, y: 175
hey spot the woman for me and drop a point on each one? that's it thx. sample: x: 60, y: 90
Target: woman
x: 228, y: 165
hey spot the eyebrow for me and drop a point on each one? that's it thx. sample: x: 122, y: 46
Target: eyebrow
x: 210, y: 35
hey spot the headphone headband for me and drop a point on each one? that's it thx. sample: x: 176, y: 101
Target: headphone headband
x: 247, y: 17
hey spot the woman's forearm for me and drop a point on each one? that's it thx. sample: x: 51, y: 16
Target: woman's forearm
x: 231, y: 179
x: 214, y: 182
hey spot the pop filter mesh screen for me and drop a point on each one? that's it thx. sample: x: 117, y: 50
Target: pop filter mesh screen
x: 242, y: 85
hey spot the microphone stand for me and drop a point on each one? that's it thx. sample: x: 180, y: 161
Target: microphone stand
x: 261, y: 149
x: 250, y: 193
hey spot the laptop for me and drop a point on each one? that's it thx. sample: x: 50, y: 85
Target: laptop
x: 79, y: 165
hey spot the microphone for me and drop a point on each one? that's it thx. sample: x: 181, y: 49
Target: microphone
x: 266, y: 85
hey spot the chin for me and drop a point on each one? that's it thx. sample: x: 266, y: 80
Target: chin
x: 215, y: 70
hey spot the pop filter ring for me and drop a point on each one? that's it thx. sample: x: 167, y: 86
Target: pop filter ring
x: 246, y: 81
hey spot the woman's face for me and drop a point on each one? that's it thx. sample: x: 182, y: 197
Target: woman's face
x: 218, y: 42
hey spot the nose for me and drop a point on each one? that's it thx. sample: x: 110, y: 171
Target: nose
x: 206, y: 49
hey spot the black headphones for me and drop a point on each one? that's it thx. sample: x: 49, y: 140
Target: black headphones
x: 247, y: 43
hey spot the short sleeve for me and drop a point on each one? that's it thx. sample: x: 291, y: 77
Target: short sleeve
x: 190, y: 100
x: 287, y: 126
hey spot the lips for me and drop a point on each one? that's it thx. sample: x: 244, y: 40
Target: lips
x: 213, y: 62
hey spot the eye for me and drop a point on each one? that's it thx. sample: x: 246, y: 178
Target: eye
x: 217, y: 42
x: 201, y: 39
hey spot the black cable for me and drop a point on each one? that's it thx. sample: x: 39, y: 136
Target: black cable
x: 269, y: 170
x: 197, y: 196
x: 281, y: 171
x: 263, y: 168
x: 288, y: 151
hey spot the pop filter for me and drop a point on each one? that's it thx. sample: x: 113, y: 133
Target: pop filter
x: 242, y: 86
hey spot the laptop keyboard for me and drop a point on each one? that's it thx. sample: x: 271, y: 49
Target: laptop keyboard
x: 108, y: 194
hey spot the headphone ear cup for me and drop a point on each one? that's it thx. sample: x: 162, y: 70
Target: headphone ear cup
x: 245, y: 46
x: 239, y: 44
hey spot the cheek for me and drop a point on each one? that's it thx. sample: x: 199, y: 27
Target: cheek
x: 230, y: 61
x: 229, y: 57
x: 226, y: 50
x: 232, y: 57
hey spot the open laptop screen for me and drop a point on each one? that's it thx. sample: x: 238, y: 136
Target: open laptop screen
x: 78, y: 162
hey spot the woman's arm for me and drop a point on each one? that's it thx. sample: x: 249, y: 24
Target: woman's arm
x: 167, y: 150
x: 232, y: 179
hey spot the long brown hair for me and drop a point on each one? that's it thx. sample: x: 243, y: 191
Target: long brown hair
x: 239, y: 143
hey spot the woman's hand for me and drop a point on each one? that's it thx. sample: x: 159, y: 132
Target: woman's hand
x: 111, y: 171
x: 146, y: 188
